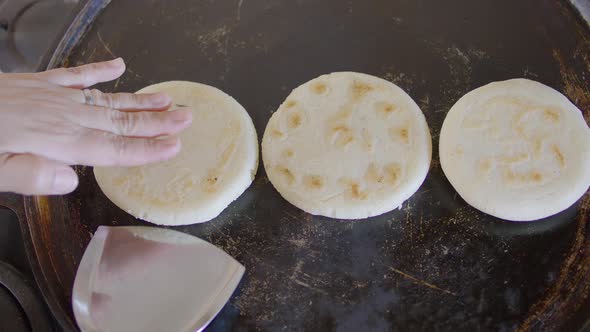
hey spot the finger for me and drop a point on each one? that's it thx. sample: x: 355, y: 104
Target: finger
x: 126, y: 101
x: 28, y: 174
x: 86, y: 75
x: 97, y: 148
x: 136, y: 124
x: 22, y: 81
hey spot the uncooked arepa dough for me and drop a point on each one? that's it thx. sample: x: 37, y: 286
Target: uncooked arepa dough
x: 348, y: 146
x: 216, y: 164
x: 517, y: 150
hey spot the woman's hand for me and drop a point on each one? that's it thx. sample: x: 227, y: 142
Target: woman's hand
x: 47, y: 124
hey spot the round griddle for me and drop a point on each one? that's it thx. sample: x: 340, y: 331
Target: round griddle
x: 434, y: 264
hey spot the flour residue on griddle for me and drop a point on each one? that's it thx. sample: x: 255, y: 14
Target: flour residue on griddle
x: 215, y: 40
x: 575, y: 86
x: 215, y: 45
x: 401, y: 79
x: 460, y: 63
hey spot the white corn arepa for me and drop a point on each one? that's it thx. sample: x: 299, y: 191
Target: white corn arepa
x: 347, y: 145
x: 517, y: 150
x: 216, y: 164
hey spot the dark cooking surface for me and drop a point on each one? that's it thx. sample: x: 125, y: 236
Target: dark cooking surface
x: 27, y: 31
x: 436, y: 264
x: 21, y: 303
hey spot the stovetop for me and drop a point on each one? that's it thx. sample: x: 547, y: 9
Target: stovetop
x: 28, y: 29
x: 21, y: 305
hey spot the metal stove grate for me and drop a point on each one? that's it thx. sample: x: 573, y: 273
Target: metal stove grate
x: 28, y: 29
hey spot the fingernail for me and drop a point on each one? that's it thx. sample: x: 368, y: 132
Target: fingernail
x: 117, y: 62
x: 169, y: 147
x: 169, y: 142
x: 65, y: 180
x: 182, y: 116
x: 160, y: 99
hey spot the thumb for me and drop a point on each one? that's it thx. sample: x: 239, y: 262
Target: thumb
x: 32, y: 175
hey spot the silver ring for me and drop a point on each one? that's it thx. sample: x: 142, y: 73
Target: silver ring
x: 88, y: 97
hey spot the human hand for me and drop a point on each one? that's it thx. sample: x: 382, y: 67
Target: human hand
x: 47, y: 124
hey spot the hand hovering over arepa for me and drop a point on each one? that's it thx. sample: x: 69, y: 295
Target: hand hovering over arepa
x: 50, y: 121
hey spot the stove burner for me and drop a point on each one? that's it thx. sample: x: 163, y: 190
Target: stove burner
x: 24, y: 300
x: 19, y: 300
x: 28, y: 29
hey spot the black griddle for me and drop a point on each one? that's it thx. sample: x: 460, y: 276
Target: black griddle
x: 434, y: 265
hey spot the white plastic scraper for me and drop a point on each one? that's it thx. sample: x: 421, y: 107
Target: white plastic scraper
x: 151, y: 279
